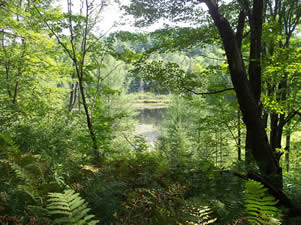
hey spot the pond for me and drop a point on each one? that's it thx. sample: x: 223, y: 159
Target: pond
x: 150, y: 120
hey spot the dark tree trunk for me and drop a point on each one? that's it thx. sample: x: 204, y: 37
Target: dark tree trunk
x: 73, y: 95
x: 255, y: 49
x: 249, y: 160
x: 88, y: 117
x: 247, y: 98
x: 287, y: 154
x: 238, y: 136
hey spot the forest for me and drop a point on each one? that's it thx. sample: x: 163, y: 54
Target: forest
x: 194, y: 121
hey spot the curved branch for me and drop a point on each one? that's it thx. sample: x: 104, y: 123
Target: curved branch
x: 208, y: 93
x: 290, y: 116
x: 278, y: 194
x: 128, y: 141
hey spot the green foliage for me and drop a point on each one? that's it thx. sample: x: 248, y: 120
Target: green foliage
x: 70, y: 208
x: 260, y: 206
x: 105, y: 195
x: 194, y: 129
x: 26, y: 181
x: 47, y: 147
x: 284, y: 69
x: 147, y: 12
x: 141, y: 188
x: 201, y: 216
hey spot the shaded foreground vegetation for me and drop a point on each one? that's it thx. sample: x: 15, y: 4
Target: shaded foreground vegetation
x: 69, y: 99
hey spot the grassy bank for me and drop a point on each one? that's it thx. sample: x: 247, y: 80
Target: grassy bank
x: 150, y: 100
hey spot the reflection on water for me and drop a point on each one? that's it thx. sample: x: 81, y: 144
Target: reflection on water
x: 149, y: 124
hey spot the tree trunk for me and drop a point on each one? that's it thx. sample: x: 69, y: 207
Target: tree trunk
x: 249, y: 160
x: 73, y: 95
x: 247, y: 98
x: 287, y: 154
x: 89, y: 122
x: 238, y: 136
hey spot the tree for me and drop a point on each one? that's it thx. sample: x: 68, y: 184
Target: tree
x: 280, y: 69
x: 247, y: 83
x: 77, y: 46
x: 26, y: 62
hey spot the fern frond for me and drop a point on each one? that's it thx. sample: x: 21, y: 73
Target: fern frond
x: 29, y: 186
x: 21, y: 173
x: 202, y: 216
x: 71, y: 208
x: 198, y: 214
x: 260, y: 206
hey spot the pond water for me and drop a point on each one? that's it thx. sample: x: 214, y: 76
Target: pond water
x: 150, y: 120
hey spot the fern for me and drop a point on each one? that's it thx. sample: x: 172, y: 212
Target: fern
x: 201, y: 216
x: 29, y: 186
x: 260, y: 206
x: 196, y: 213
x: 71, y: 209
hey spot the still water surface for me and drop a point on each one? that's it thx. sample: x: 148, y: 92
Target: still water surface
x: 150, y: 120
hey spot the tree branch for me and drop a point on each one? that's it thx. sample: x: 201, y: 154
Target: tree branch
x: 290, y: 116
x: 278, y: 194
x: 71, y: 31
x: 246, y: 6
x: 208, y: 93
x: 99, y: 81
x: 2, y: 3
x: 240, y: 28
x: 52, y: 31
x: 228, y: 127
x: 128, y: 141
